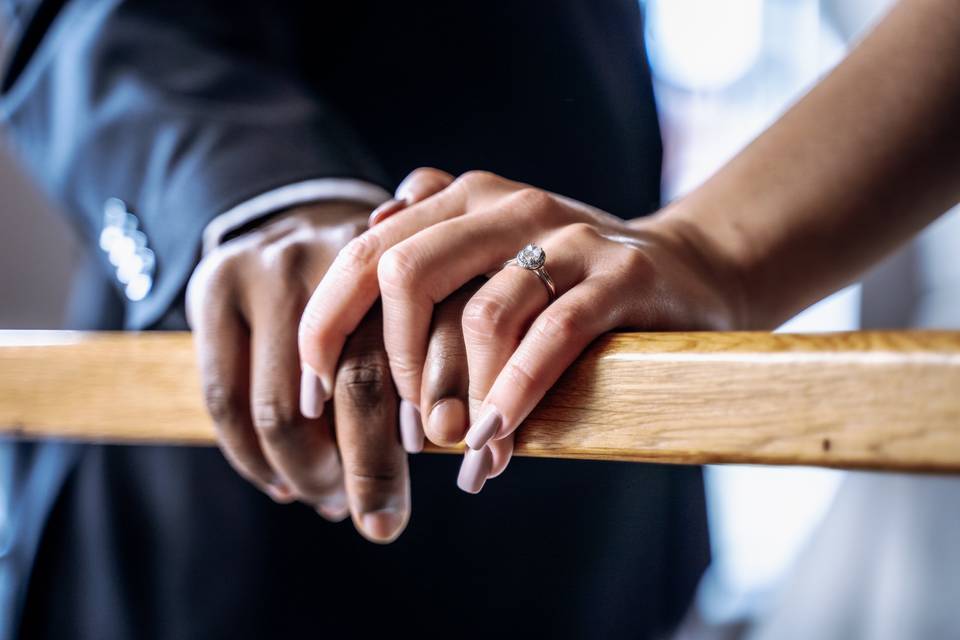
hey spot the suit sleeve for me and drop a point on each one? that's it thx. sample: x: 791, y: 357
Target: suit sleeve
x: 181, y: 110
x: 251, y: 212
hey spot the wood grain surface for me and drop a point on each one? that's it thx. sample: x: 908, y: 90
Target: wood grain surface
x: 880, y: 400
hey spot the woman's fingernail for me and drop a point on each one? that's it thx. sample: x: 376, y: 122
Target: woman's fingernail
x: 382, y: 525
x: 313, y: 394
x: 386, y: 210
x: 411, y: 427
x: 484, y: 428
x: 448, y: 421
x: 403, y: 191
x: 474, y: 469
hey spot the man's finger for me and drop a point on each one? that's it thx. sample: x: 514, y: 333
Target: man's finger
x: 302, y: 450
x: 222, y: 344
x: 374, y: 463
x: 443, y: 393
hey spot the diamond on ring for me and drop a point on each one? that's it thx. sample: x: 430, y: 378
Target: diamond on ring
x: 531, y: 257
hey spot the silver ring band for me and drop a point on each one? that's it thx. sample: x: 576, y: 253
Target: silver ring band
x: 532, y: 258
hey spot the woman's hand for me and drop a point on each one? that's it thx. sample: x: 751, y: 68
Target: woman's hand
x: 608, y: 274
x: 445, y: 381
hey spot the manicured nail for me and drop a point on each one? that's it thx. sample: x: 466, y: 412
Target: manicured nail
x: 382, y: 525
x: 313, y: 394
x: 411, y: 427
x: 474, y: 469
x: 448, y: 421
x: 484, y: 428
x: 402, y: 192
x: 385, y: 210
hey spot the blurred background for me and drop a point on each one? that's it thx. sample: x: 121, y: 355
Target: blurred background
x: 724, y: 69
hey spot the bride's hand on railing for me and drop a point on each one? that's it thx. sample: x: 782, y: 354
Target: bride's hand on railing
x: 607, y: 273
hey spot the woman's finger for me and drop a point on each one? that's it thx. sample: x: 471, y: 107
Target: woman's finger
x: 474, y: 469
x: 349, y: 288
x: 385, y: 210
x: 499, y: 314
x: 502, y: 451
x: 419, y: 185
x: 496, y: 319
x: 479, y: 465
x: 419, y: 272
x: 554, y: 341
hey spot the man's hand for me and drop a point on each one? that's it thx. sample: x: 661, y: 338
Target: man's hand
x: 244, y: 303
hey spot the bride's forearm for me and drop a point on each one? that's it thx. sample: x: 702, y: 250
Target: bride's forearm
x: 865, y: 160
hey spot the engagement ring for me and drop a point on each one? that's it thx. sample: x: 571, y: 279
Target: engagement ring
x: 532, y: 258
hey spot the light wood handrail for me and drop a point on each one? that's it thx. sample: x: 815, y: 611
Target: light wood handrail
x: 880, y: 400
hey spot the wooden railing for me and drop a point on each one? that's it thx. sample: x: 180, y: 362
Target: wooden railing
x: 880, y: 400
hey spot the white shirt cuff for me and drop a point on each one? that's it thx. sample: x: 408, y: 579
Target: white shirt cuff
x: 288, y: 196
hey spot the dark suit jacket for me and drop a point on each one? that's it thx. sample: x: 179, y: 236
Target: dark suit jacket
x: 185, y: 108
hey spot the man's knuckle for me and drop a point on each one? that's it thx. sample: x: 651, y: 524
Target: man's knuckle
x: 446, y: 348
x: 378, y: 474
x: 221, y: 403
x: 365, y: 371
x: 365, y: 380
x: 225, y: 263
x: 273, y: 419
x: 214, y: 276
x: 286, y: 257
x: 374, y: 483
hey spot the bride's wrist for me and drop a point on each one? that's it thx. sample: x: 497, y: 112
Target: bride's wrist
x: 678, y: 231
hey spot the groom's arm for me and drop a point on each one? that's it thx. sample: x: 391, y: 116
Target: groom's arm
x: 181, y: 110
x: 158, y: 124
